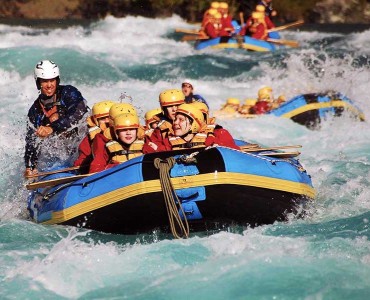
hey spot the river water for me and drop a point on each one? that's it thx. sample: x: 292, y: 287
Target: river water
x: 325, y: 256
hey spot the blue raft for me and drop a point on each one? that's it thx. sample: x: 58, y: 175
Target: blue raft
x: 216, y: 187
x: 241, y: 42
x: 311, y: 109
x: 246, y: 43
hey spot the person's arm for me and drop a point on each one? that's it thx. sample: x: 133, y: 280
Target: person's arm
x: 199, y: 98
x: 269, y: 23
x: 221, y: 137
x: 75, y: 106
x: 211, y: 31
x: 154, y: 143
x: 100, y: 154
x: 31, y: 147
x: 84, y: 153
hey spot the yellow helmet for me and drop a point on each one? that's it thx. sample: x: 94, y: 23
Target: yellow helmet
x: 171, y: 97
x: 232, y: 101
x: 265, y: 93
x: 250, y: 102
x: 212, y: 11
x: 126, y: 121
x: 258, y: 15
x: 224, y: 5
x: 194, y: 114
x: 260, y: 8
x: 203, y: 108
x: 101, y: 110
x: 215, y: 5
x: 121, y: 108
x: 152, y: 116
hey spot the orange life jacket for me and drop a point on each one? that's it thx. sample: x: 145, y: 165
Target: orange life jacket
x: 198, y: 141
x: 119, y: 154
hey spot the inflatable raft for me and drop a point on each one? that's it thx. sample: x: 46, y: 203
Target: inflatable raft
x: 212, y: 188
x: 309, y: 109
x: 245, y: 42
x: 242, y: 42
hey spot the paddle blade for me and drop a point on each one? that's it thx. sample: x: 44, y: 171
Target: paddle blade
x: 290, y: 43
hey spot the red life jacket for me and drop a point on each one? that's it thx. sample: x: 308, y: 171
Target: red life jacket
x: 261, y: 107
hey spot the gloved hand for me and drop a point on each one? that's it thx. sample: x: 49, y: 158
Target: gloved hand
x: 44, y: 131
x: 28, y: 173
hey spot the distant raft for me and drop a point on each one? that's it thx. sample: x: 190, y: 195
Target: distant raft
x: 214, y: 187
x: 241, y: 42
x: 309, y: 110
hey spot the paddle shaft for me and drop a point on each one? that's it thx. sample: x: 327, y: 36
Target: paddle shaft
x: 54, y: 172
x: 281, y: 154
x: 188, y: 31
x: 254, y: 149
x: 194, y: 38
x: 297, y: 23
x: 54, y: 182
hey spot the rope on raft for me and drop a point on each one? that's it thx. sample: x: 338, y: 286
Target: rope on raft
x: 170, y: 198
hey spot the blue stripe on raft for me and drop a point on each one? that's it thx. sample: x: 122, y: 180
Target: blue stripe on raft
x: 276, y: 168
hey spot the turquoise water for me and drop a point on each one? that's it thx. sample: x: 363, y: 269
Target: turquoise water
x: 325, y: 256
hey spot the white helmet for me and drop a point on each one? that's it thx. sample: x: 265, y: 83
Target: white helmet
x: 46, y: 69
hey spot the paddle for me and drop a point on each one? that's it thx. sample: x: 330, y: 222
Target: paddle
x: 290, y: 43
x: 194, y: 38
x: 297, y: 23
x: 188, y: 31
x: 247, y: 148
x: 253, y: 146
x: 241, y: 16
x: 54, y: 182
x: 53, y: 172
x: 282, y: 154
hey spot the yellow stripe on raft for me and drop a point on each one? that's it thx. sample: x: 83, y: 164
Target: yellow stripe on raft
x: 242, y: 46
x: 180, y: 183
x: 334, y: 103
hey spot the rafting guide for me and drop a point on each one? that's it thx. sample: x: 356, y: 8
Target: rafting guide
x: 52, y: 118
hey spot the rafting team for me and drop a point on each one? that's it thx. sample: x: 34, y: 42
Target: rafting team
x: 115, y: 134
x: 217, y: 22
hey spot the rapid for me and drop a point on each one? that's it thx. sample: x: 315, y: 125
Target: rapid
x: 324, y: 256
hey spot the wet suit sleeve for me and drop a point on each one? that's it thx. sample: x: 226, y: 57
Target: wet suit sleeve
x: 199, y: 98
x: 32, y: 147
x: 75, y: 108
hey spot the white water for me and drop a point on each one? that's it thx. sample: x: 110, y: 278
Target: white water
x: 323, y: 256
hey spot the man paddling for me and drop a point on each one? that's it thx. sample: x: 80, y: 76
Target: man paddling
x: 57, y: 110
x: 188, y: 90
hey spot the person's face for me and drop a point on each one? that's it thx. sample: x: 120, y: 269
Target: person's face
x: 171, y: 111
x: 187, y: 89
x: 103, y: 123
x: 127, y: 136
x: 48, y: 86
x: 154, y: 125
x: 223, y: 10
x: 181, y: 125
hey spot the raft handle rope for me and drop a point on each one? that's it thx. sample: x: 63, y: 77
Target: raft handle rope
x: 170, y: 198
